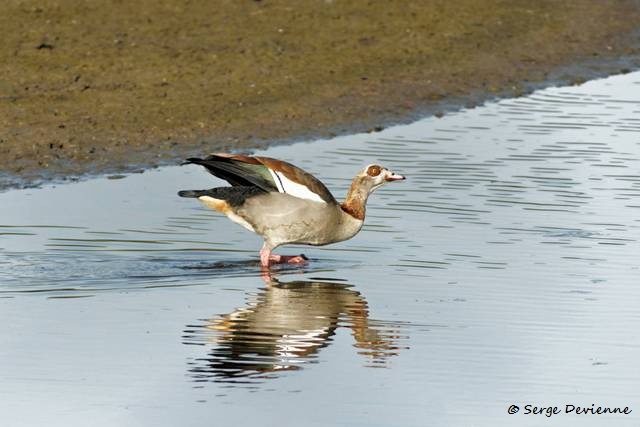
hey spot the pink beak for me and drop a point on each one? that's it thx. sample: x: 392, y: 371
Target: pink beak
x: 394, y: 177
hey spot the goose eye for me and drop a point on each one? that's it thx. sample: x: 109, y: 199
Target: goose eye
x: 373, y: 170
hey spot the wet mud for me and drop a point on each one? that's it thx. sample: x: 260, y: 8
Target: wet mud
x: 114, y: 86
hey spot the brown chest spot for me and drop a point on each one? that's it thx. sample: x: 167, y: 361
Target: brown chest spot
x: 356, y: 210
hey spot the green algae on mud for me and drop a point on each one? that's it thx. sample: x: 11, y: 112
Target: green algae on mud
x: 90, y: 87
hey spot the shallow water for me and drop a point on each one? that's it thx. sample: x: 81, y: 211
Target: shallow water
x: 503, y: 271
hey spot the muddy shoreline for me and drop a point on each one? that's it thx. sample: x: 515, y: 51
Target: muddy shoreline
x: 90, y: 89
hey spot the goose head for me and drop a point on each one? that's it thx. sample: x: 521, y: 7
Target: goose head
x: 366, y: 182
x: 375, y: 176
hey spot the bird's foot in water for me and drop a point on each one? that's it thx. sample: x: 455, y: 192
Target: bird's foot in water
x: 267, y: 258
x: 288, y: 259
x: 279, y: 259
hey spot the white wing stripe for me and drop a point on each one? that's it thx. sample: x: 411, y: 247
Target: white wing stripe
x: 276, y: 178
x: 285, y: 185
x: 298, y: 190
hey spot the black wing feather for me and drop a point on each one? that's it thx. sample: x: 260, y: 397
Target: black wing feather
x: 231, y: 172
x: 235, y: 196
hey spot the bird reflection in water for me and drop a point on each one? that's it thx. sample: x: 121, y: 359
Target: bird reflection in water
x: 283, y: 327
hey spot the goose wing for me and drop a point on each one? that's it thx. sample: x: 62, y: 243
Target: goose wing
x: 268, y: 174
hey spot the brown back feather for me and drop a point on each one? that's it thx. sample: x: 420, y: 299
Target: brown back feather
x: 299, y: 176
x: 290, y: 171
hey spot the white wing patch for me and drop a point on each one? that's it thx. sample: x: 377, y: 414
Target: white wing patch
x: 287, y: 186
x: 277, y: 179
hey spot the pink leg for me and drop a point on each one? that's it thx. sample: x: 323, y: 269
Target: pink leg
x: 267, y: 258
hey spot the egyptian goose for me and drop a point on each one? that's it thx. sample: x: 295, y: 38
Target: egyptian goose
x: 284, y: 204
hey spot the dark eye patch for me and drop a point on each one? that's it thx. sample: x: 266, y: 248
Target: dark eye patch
x: 374, y: 170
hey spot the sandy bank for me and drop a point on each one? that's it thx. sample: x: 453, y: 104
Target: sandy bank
x: 97, y: 87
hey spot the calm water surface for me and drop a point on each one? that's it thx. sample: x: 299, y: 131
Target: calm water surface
x: 503, y: 271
